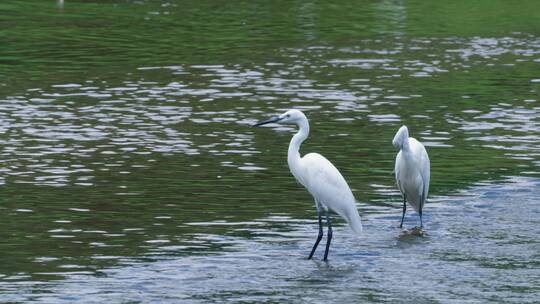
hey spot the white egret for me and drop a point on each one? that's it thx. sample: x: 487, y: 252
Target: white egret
x: 320, y: 178
x: 412, y: 171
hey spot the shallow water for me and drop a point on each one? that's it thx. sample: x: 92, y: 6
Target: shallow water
x: 129, y: 171
x: 481, y: 246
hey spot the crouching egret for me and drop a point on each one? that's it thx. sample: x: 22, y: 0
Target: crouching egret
x: 320, y: 178
x: 412, y: 171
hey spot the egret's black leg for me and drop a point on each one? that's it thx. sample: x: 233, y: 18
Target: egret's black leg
x: 329, y: 223
x: 420, y: 212
x: 319, y: 237
x: 404, y: 209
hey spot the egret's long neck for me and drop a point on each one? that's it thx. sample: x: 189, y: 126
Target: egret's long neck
x: 293, y: 156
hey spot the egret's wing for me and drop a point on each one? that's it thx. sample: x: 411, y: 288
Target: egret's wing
x: 425, y: 172
x: 421, y: 160
x: 397, y: 169
x: 329, y: 188
x: 326, y: 183
x: 322, y: 171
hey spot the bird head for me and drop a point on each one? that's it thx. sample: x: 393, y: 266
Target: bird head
x: 291, y: 116
x: 401, y: 136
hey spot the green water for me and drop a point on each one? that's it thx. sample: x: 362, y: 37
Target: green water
x: 129, y: 171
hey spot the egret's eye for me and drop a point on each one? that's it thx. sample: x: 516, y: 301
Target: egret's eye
x: 288, y: 115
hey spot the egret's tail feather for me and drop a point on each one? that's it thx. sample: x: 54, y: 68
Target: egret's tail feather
x: 357, y: 228
x: 356, y: 224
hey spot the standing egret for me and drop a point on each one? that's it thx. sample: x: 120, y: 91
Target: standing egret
x: 412, y: 171
x: 320, y: 178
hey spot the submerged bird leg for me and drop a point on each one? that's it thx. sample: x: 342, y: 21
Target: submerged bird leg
x: 329, y: 223
x: 319, y: 237
x: 404, y: 209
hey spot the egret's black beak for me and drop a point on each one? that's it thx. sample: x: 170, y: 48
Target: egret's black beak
x: 271, y: 120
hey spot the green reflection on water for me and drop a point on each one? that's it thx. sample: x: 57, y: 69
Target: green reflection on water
x: 106, y: 41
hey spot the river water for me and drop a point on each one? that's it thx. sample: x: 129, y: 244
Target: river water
x: 129, y: 172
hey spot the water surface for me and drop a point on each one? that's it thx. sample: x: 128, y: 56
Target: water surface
x: 130, y: 173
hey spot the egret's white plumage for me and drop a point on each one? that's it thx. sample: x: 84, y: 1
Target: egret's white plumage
x: 412, y: 170
x: 320, y: 177
x: 328, y: 187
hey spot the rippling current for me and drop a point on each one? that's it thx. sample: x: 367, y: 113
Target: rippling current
x: 129, y: 171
